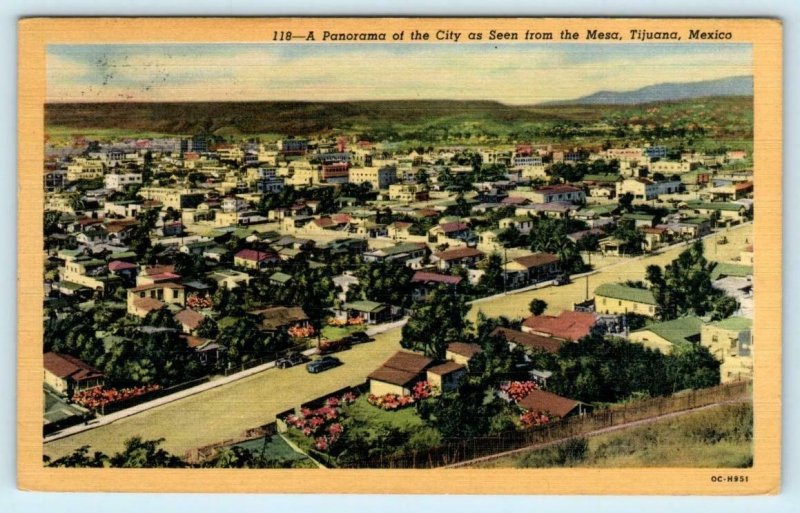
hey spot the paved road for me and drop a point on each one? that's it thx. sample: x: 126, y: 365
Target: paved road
x: 515, y: 304
x: 224, y: 412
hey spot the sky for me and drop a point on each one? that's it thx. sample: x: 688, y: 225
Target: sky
x: 512, y: 73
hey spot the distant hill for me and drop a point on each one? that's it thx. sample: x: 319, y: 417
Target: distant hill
x: 298, y: 118
x: 406, y: 121
x: 672, y: 91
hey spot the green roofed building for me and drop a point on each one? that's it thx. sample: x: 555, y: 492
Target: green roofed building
x: 280, y: 278
x: 663, y: 336
x: 370, y: 312
x: 618, y: 299
x: 724, y: 269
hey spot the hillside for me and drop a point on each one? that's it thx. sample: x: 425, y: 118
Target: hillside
x: 427, y: 121
x: 730, y: 86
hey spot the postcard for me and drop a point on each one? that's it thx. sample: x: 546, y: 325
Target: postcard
x: 400, y: 255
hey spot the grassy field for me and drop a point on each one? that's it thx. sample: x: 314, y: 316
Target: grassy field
x: 226, y: 411
x: 717, y: 438
x: 405, y: 419
x: 276, y: 448
x: 337, y: 332
x: 562, y: 298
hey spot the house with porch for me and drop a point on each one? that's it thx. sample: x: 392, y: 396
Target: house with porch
x: 370, y: 312
x: 534, y: 268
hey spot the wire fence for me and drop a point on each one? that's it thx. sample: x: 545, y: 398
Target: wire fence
x: 461, y: 450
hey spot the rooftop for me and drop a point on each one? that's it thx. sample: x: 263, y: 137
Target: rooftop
x: 545, y: 402
x: 619, y: 291
x: 530, y: 340
x: 734, y: 323
x: 568, y: 325
x: 676, y: 331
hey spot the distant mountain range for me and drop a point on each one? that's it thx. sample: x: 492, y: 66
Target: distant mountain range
x: 671, y: 91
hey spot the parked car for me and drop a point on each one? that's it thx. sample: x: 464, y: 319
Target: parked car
x: 359, y: 337
x: 290, y: 361
x: 323, y: 364
x: 562, y: 279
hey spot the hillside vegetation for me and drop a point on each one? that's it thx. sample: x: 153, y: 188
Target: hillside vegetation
x: 721, y: 119
x: 717, y: 438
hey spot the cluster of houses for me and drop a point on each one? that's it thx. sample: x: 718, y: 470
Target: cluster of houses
x: 202, y: 192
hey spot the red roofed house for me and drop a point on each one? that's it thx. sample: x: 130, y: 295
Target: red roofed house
x: 398, y: 374
x: 123, y: 269
x: 465, y: 256
x: 67, y: 374
x: 533, y: 268
x: 456, y: 230
x: 425, y: 282
x: 255, y: 259
x: 189, y: 320
x: 461, y: 352
x: 146, y: 298
x: 446, y: 376
x: 555, y: 406
x: 528, y: 341
x: 568, y: 325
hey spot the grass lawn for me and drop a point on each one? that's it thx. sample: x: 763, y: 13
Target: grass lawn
x: 337, y: 332
x: 276, y: 449
x: 715, y: 438
x: 405, y: 419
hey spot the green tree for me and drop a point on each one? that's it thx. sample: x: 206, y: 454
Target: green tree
x: 684, y: 287
x: 436, y: 322
x: 80, y: 457
x: 537, y: 306
x: 140, y: 453
x: 493, y: 279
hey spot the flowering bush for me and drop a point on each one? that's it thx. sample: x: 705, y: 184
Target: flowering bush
x: 301, y: 331
x: 355, y: 321
x: 96, y: 398
x: 198, y: 302
x: 517, y: 390
x: 321, y: 423
x: 333, y: 321
x: 390, y: 402
x: 421, y: 390
x: 533, y: 418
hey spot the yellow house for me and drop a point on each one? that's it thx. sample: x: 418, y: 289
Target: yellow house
x: 446, y: 376
x: 398, y: 374
x: 461, y: 352
x: 664, y: 336
x: 616, y: 299
x: 145, y: 298
x: 730, y: 341
x: 66, y: 374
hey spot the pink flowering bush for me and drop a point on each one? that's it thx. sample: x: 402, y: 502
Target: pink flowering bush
x: 96, y: 398
x: 518, y: 390
x: 390, y: 402
x: 533, y: 418
x: 421, y: 390
x: 322, y: 423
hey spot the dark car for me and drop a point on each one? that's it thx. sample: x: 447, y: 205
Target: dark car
x: 323, y: 364
x: 290, y: 361
x: 562, y: 279
x: 359, y: 337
